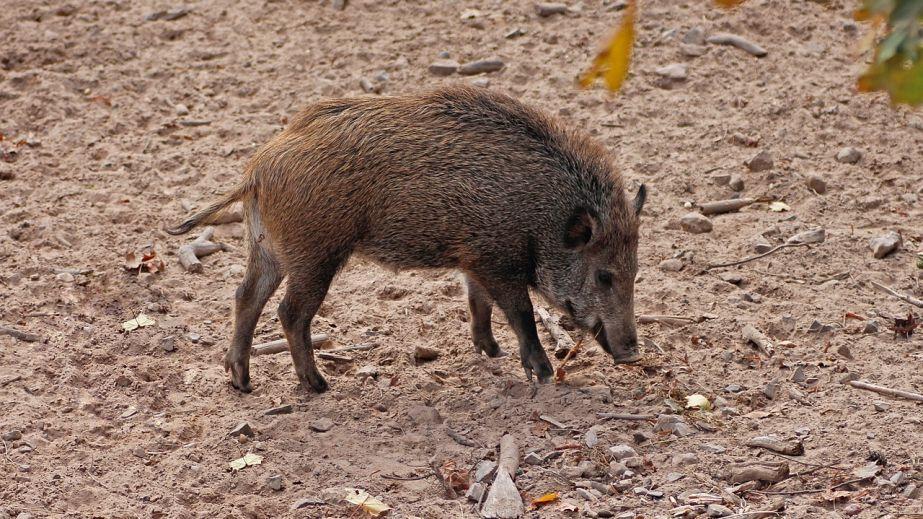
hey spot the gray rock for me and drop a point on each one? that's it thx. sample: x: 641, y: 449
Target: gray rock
x: 483, y: 469
x: 817, y: 184
x: 816, y: 235
x: 321, y: 425
x: 338, y: 5
x: 736, y: 183
x: 590, y: 469
x: 733, y: 388
x: 425, y: 354
x: 585, y: 494
x: 533, y: 458
x: 673, y: 71
x: 673, y: 477
x: 761, y: 244
x: 274, y: 482
x: 852, y: 509
x: 695, y: 36
x: 819, y: 327
x: 282, y: 409
x: 692, y: 51
x: 843, y: 350
x: 367, y: 371
x: 771, y: 389
x: 550, y: 9
x: 733, y: 278
x: 242, y: 428
x: 910, y: 491
x: 849, y: 155
x: 695, y: 223
x: 481, y: 82
x: 515, y: 33
x: 168, y: 343
x: 622, y: 451
x: 881, y: 406
x: 898, y: 479
x: 681, y: 460
x: 762, y: 161
x: 443, y: 67
x: 480, y: 67
x: 886, y: 244
x: 712, y: 448
x: 721, y: 179
x: 12, y: 436
x: 475, y: 492
x: 716, y: 510
x: 617, y: 469
x: 424, y: 415
x: 671, y: 265
x: 871, y: 326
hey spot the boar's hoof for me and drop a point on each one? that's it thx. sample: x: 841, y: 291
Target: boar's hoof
x: 629, y: 359
x: 315, y: 382
x: 489, y: 347
x: 240, y: 375
x: 542, y: 371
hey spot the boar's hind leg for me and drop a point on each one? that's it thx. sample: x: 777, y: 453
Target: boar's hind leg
x: 260, y: 282
x: 514, y: 300
x: 306, y: 292
x: 481, y: 309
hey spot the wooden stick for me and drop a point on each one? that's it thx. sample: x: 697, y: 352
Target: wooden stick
x: 280, y: 345
x: 897, y: 393
x: 22, y: 336
x: 758, y: 256
x: 503, y: 500
x: 729, y: 206
x: 903, y: 297
x: 563, y: 340
x: 740, y: 42
x: 751, y: 334
x: 190, y: 253
x: 625, y: 416
x: 676, y: 320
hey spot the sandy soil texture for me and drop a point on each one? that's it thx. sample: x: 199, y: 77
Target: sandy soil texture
x: 119, y: 117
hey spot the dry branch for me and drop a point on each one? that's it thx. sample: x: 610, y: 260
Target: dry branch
x: 771, y: 471
x: 791, y: 448
x: 190, y: 253
x: 22, y: 336
x: 503, y: 499
x: 897, y: 393
x: 280, y: 345
x: 563, y: 341
x: 751, y: 334
x: 758, y: 256
x: 729, y: 206
x: 740, y: 42
x: 903, y: 297
x: 675, y: 320
x: 625, y: 416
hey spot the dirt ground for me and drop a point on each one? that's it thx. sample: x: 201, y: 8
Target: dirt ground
x: 115, y: 125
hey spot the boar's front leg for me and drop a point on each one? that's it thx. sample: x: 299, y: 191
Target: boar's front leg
x: 514, y: 300
x: 481, y: 309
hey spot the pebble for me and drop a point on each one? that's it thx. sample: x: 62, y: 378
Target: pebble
x: 692, y: 51
x: 367, y: 371
x: 242, y: 428
x: 443, y: 67
x: 898, y: 479
x: 308, y: 501
x: 550, y: 9
x: 425, y: 354
x: 733, y: 388
x: 12, y: 436
x: 886, y: 244
x: 716, y: 510
x: 620, y: 452
x: 819, y: 327
x: 849, y: 155
x: 483, y: 469
x: 480, y: 67
x: 674, y: 71
x: 533, y: 458
x: 515, y: 33
x: 65, y: 277
x: 321, y: 425
x: 695, y: 36
x: 871, y: 326
x: 274, y: 482
x: 422, y: 414
x: 673, y: 477
x: 681, y: 460
x: 761, y: 244
x: 671, y: 265
x: 712, y: 448
x: 695, y: 223
x: 843, y: 350
x: 771, y: 389
x: 817, y: 184
x: 193, y: 337
x: 762, y: 161
x: 736, y: 183
x: 852, y: 509
x: 721, y: 179
x: 816, y: 235
x: 909, y: 490
x: 338, y: 5
x: 168, y: 343
x: 733, y: 278
x: 617, y: 469
x: 168, y: 15
x: 475, y: 492
x: 282, y: 409
x: 585, y: 494
x: 181, y: 109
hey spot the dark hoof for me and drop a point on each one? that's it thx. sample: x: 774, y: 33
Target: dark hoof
x: 317, y: 383
x: 489, y: 347
x: 628, y: 360
x: 240, y: 375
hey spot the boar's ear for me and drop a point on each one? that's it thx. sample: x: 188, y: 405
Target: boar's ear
x: 580, y: 228
x: 640, y: 198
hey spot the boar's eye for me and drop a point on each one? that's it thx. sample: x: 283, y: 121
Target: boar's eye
x: 604, y: 278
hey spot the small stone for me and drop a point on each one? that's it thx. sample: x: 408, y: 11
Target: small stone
x: 843, y: 350
x: 886, y: 244
x: 849, y: 155
x: 852, y: 509
x: 550, y: 9
x: 321, y: 425
x: 483, y: 469
x: 674, y: 71
x: 695, y: 36
x: 168, y: 343
x: 274, y: 482
x: 816, y: 235
x: 751, y: 297
x: 620, y: 452
x: 729, y: 411
x: 682, y: 429
x: 819, y: 327
x: 242, y: 428
x: 798, y: 375
x: 443, y: 67
x: 282, y: 409
x: 617, y: 469
x: 721, y: 179
x: 817, y: 184
x: 475, y: 492
x: 712, y: 448
x: 716, y: 510
x: 533, y: 458
x: 591, y: 438
x: 881, y: 406
x: 910, y: 491
x: 673, y: 477
x: 590, y: 469
x: 733, y: 278
x: 771, y: 390
x: 761, y: 244
x: 762, y: 161
x: 370, y: 88
x: 338, y: 5
x: 515, y: 33
x: 898, y: 479
x: 425, y: 354
x: 65, y: 277
x: 695, y: 223
x: 733, y: 388
x: 480, y: 67
x: 635, y: 462
x: 681, y: 460
x: 367, y: 371
x: 671, y: 265
x: 181, y: 109
x: 12, y: 436
x: 422, y: 414
x: 193, y: 337
x: 736, y: 183
x: 692, y: 51
x: 867, y: 471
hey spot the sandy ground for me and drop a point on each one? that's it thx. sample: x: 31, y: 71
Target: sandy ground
x: 99, y: 154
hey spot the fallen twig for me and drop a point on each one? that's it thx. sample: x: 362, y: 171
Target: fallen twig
x: 10, y: 380
x: 22, y: 336
x: 503, y: 499
x: 563, y: 341
x: 792, y: 448
x: 903, y: 297
x: 897, y: 393
x: 459, y: 438
x: 190, y: 253
x: 729, y: 206
x: 758, y: 256
x: 280, y: 345
x: 626, y: 416
x: 741, y: 43
x: 676, y: 320
x: 407, y: 478
x: 751, y: 334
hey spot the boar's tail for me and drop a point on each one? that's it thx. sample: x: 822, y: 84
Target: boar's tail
x: 207, y: 215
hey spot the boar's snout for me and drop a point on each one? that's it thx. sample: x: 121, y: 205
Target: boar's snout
x: 620, y: 341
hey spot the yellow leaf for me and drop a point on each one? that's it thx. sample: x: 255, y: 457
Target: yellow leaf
x: 611, y: 64
x: 548, y: 498
x: 129, y: 325
x: 144, y: 320
x: 370, y: 504
x: 697, y: 401
x: 778, y: 207
x: 246, y: 461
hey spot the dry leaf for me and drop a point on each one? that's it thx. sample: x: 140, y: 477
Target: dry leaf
x: 246, y: 461
x: 144, y: 260
x: 697, y: 401
x: 373, y: 506
x: 778, y: 207
x: 138, y: 322
x: 457, y: 479
x: 546, y: 499
x: 729, y: 3
x: 611, y: 64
